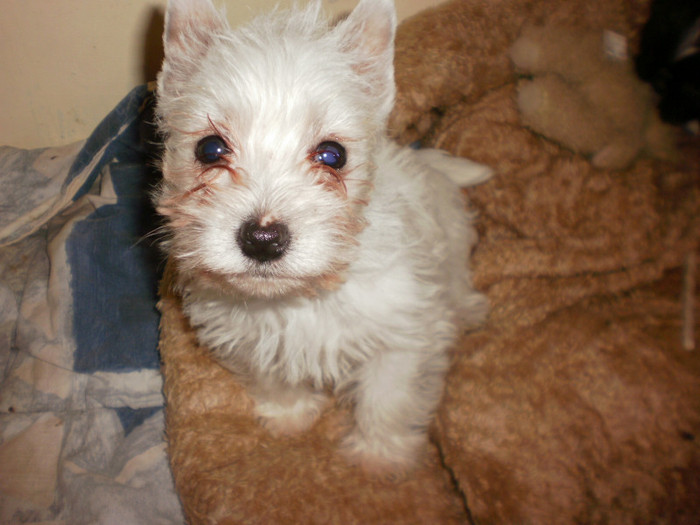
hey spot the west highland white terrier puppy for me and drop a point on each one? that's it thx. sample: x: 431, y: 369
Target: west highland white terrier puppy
x: 313, y: 256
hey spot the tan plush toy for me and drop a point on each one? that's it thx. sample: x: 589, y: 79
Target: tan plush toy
x: 585, y: 95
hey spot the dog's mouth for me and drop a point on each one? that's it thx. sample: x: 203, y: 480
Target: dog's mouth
x: 266, y: 282
x: 261, y: 282
x: 266, y: 287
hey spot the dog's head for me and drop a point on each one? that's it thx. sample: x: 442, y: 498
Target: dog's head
x: 270, y: 132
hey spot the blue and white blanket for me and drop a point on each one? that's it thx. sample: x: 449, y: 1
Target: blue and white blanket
x: 81, y: 407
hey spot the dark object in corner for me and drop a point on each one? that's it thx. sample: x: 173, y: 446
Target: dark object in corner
x: 669, y: 58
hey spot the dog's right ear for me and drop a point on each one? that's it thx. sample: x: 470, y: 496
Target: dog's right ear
x: 190, y: 29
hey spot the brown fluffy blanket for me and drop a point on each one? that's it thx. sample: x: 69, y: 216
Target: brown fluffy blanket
x: 574, y: 404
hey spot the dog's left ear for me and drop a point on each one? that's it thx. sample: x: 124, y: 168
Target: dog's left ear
x: 367, y: 34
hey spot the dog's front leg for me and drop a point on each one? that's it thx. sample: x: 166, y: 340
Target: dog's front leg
x: 286, y: 409
x: 396, y: 395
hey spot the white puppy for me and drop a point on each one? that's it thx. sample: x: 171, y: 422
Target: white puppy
x: 313, y: 255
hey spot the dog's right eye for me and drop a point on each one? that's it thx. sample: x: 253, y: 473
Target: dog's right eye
x: 211, y: 149
x: 331, y: 154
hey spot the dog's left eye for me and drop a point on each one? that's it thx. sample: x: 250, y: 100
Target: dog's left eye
x: 331, y: 154
x: 211, y: 149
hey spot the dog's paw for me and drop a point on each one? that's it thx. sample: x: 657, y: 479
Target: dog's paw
x: 389, y: 459
x: 291, y: 413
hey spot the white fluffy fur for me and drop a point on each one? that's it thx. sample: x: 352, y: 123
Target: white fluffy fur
x: 369, y: 295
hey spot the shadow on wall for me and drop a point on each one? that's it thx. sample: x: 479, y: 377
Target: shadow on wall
x: 153, y: 45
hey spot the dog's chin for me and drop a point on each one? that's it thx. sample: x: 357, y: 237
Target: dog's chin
x: 263, y: 287
x: 268, y: 287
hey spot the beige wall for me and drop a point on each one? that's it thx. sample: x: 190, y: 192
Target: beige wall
x: 65, y: 63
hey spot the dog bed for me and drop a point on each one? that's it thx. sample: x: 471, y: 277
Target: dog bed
x: 575, y: 403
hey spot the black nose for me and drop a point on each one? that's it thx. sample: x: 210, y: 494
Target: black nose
x: 263, y: 243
